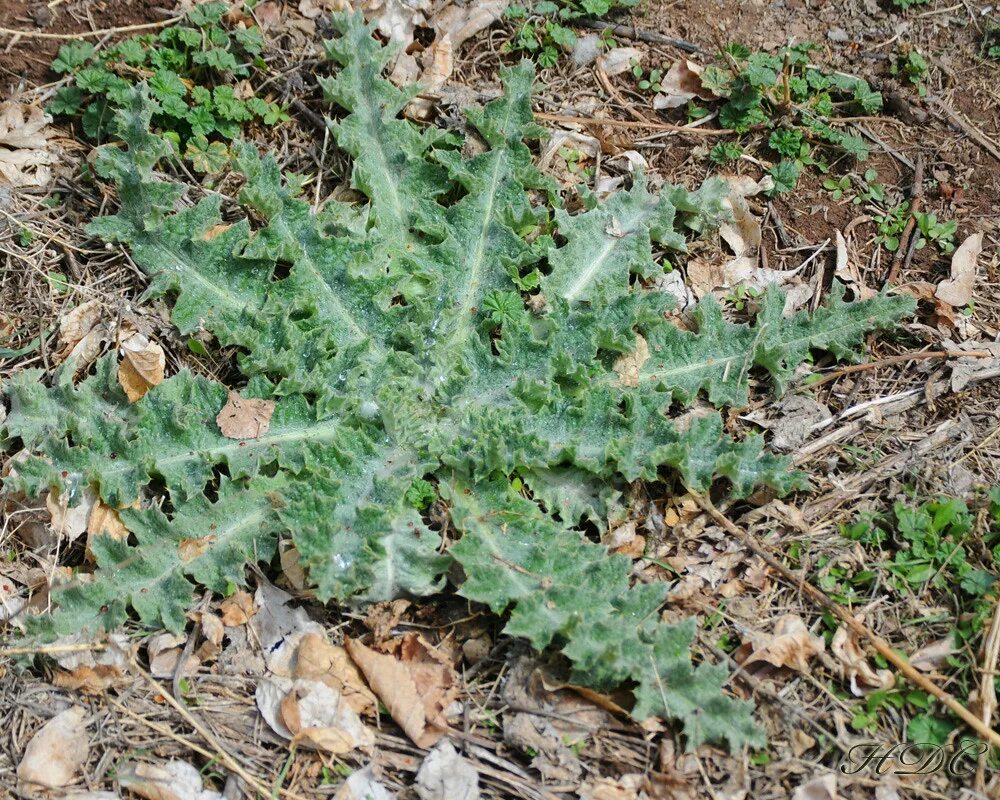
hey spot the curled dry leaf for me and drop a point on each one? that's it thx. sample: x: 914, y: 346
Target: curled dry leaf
x: 311, y: 714
x: 317, y: 659
x: 416, y: 684
x: 82, y: 334
x: 142, y: 366
x: 847, y: 270
x: 956, y: 291
x: 791, y: 645
x: 56, y: 751
x: 864, y: 679
x: 174, y: 780
x: 681, y: 84
x: 242, y: 418
x: 934, y: 655
x: 445, y: 775
x: 25, y: 152
x: 165, y: 650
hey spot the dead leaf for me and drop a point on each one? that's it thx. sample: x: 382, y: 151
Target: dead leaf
x: 245, y: 418
x: 619, y: 60
x: 627, y: 787
x: 237, y: 609
x: 142, y: 366
x: 847, y: 271
x: 57, y: 751
x: 361, y: 785
x: 445, y: 775
x: 681, y: 84
x: 267, y: 14
x: 311, y: 714
x: 25, y: 153
x: 934, y: 655
x: 174, y: 780
x: 863, y: 678
x: 791, y: 645
x: 823, y: 787
x: 81, y: 334
x: 317, y: 659
x: 165, y: 650
x: 957, y: 290
x: 416, y: 684
x: 278, y: 626
x: 90, y: 680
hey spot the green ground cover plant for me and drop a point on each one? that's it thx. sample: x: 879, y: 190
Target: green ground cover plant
x: 455, y: 343
x: 544, y: 28
x: 190, y: 70
x: 794, y: 103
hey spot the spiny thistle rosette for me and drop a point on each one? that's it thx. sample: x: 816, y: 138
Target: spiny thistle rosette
x: 445, y: 337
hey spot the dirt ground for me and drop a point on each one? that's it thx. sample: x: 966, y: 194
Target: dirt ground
x: 899, y: 427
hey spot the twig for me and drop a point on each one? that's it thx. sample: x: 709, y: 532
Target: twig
x: 639, y: 35
x: 845, y: 616
x: 957, y: 120
x: 85, y: 34
x: 917, y: 195
x: 621, y: 123
x: 987, y: 688
x: 901, y: 359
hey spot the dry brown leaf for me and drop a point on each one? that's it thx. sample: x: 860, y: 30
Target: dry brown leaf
x: 847, y: 270
x: 416, y: 684
x: 142, y: 366
x: 90, y: 680
x: 956, y: 291
x: 791, y: 645
x: 319, y: 717
x: 165, y: 650
x: 864, y: 679
x: 317, y: 659
x: 237, y: 609
x: 24, y: 145
x: 76, y: 325
x: 173, y: 780
x: 361, y: 785
x: 934, y: 655
x: 56, y: 751
x: 383, y: 617
x: 242, y: 418
x: 681, y: 84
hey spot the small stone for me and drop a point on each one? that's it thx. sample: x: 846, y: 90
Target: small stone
x: 838, y: 35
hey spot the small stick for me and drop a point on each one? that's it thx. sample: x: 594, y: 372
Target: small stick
x: 917, y: 195
x: 621, y: 123
x: 881, y: 645
x: 987, y: 688
x: 84, y: 34
x: 638, y: 35
x: 886, y: 362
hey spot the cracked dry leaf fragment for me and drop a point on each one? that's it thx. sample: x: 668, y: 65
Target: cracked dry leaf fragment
x: 361, y: 785
x: 317, y: 659
x: 863, y: 678
x: 25, y: 153
x: 70, y: 515
x: 56, y: 752
x: 791, y: 645
x: 142, y: 366
x: 311, y: 714
x: 245, y: 418
x: 416, y: 684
